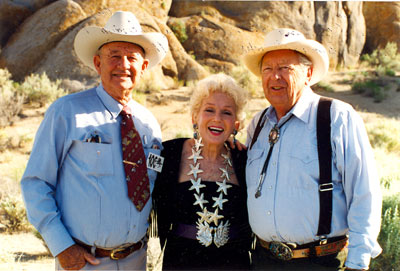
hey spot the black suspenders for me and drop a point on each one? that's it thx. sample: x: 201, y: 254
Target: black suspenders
x: 325, y: 162
x: 325, y: 165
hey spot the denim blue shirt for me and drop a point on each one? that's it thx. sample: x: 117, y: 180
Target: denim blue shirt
x: 288, y: 209
x: 75, y: 188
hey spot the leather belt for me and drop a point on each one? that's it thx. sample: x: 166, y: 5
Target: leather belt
x: 190, y: 231
x: 115, y: 253
x: 288, y: 251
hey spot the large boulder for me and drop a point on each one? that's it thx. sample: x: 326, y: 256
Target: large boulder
x: 383, y: 24
x: 186, y: 68
x: 157, y: 9
x: 38, y: 35
x: 226, y: 26
x: 13, y: 13
x: 216, y: 44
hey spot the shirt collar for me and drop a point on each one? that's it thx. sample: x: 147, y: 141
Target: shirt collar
x: 301, y: 109
x: 111, y: 105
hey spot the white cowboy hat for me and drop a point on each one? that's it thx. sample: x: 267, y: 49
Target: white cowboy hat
x: 284, y: 38
x: 122, y: 26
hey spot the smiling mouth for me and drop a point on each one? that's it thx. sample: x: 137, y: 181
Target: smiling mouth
x: 122, y: 75
x: 215, y: 130
x: 276, y: 88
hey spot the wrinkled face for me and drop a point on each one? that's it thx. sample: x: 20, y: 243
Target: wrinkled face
x: 216, y: 118
x: 120, y: 66
x: 283, y: 78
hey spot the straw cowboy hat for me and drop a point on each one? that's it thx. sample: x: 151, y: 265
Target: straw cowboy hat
x: 122, y: 26
x: 284, y: 38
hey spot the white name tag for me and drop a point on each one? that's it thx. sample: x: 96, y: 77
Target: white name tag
x: 155, y: 162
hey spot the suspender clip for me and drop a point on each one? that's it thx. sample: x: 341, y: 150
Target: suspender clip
x: 326, y: 187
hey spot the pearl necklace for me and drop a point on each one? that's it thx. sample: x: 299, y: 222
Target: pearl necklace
x: 206, y: 234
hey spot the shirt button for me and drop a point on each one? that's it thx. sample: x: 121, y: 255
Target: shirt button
x: 269, y: 213
x: 270, y: 187
x: 274, y: 163
x: 274, y: 236
x: 98, y: 152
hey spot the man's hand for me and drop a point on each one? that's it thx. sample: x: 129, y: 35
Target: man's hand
x: 75, y: 258
x: 236, y: 143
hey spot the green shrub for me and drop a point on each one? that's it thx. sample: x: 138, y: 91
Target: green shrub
x: 13, y: 214
x: 384, y: 134
x: 247, y: 80
x: 148, y: 84
x: 39, y: 89
x: 389, y: 236
x: 11, y: 100
x: 179, y: 29
x: 386, y: 60
x: 323, y: 86
x: 371, y: 88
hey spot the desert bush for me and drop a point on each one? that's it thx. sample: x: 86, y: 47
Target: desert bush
x: 247, y: 80
x: 179, y: 28
x: 389, y: 236
x: 384, y: 134
x: 148, y: 85
x: 373, y: 87
x: 323, y: 86
x: 38, y: 88
x: 11, y: 101
x: 13, y: 214
x: 386, y: 61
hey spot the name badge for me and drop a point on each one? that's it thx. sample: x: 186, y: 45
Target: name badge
x: 155, y: 162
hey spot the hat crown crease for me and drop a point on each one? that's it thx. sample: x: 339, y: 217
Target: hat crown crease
x: 123, y: 23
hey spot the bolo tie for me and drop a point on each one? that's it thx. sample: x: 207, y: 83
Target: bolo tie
x: 273, y: 138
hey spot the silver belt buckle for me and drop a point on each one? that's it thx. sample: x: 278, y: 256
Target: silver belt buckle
x: 281, y: 251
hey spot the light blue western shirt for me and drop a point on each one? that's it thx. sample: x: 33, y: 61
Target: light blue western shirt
x: 288, y: 208
x: 73, y: 188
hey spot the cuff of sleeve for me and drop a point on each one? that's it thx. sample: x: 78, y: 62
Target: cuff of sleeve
x: 357, y: 261
x: 57, y: 238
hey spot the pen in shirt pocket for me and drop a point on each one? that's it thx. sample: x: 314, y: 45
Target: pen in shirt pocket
x: 94, y: 138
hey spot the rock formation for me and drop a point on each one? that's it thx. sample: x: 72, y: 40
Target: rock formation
x: 37, y: 35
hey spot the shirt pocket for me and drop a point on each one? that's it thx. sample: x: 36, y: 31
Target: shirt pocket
x: 91, y: 158
x: 253, y: 166
x: 304, y: 161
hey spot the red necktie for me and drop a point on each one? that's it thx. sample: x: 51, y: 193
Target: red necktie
x: 134, y: 161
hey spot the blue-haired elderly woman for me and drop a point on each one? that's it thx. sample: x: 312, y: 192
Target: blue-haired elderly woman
x: 200, y: 195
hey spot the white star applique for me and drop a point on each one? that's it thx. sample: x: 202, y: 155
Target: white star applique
x: 215, y: 217
x: 194, y: 170
x: 197, y: 144
x: 196, y: 185
x: 219, y: 201
x: 200, y: 200
x: 223, y: 187
x: 204, y: 216
x: 227, y: 159
x: 195, y: 155
x: 225, y: 174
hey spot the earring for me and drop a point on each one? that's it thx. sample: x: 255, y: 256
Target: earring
x: 196, y: 132
x: 234, y: 134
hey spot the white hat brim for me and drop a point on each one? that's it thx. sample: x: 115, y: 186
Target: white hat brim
x: 312, y: 49
x: 89, y: 39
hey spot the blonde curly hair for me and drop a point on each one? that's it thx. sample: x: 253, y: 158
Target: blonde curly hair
x: 219, y: 83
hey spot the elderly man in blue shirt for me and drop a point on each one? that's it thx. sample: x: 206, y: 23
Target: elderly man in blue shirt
x: 87, y: 184
x: 284, y: 191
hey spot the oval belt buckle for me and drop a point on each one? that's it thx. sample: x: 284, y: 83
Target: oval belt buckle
x: 281, y: 251
x: 116, y: 251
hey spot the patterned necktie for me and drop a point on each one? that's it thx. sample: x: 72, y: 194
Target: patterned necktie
x: 134, y: 161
